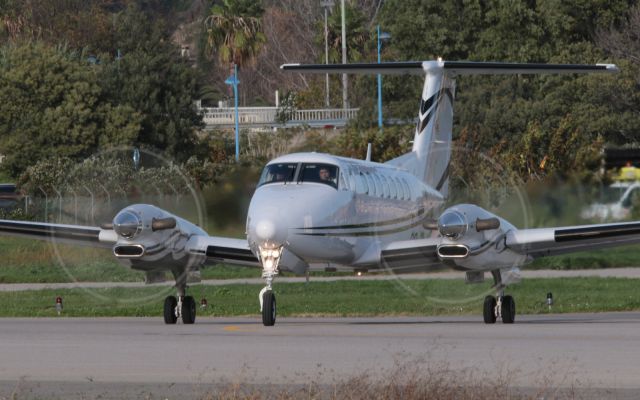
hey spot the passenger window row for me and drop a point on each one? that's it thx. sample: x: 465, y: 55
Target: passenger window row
x: 376, y: 184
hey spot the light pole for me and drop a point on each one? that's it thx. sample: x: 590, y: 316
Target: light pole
x: 326, y: 4
x: 345, y: 82
x: 233, y: 80
x: 381, y: 36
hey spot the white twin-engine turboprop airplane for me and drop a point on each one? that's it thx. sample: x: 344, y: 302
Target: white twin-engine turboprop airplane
x: 319, y: 208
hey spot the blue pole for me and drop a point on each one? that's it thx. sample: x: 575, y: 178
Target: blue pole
x: 379, y: 85
x: 235, y: 100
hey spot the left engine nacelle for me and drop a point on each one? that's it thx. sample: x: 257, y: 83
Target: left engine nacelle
x: 473, y: 238
x: 142, y: 228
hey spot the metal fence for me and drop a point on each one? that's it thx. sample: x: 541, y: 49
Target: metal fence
x: 266, y: 116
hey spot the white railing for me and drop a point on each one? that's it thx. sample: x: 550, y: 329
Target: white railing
x: 261, y: 116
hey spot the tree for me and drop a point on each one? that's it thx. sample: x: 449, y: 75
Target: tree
x: 51, y: 105
x: 154, y: 80
x: 234, y: 29
x: 358, y: 35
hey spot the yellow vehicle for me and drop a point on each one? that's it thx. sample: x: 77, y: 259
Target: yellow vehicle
x: 628, y: 173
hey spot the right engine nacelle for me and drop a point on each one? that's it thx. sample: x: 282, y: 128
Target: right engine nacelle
x: 474, y: 238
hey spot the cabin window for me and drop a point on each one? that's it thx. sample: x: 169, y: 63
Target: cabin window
x: 319, y: 173
x: 376, y: 181
x: 274, y: 173
x: 343, y: 183
x: 372, y: 186
x: 393, y: 188
x: 352, y: 180
x: 407, y: 189
x: 362, y: 187
x: 385, y: 186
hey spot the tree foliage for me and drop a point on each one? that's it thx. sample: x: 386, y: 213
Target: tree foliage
x: 55, y: 103
x: 52, y: 104
x: 234, y: 29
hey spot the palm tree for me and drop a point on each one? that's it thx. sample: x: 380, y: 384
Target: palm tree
x: 234, y: 29
x: 357, y: 35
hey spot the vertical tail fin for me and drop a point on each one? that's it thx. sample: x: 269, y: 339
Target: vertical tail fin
x: 431, y: 153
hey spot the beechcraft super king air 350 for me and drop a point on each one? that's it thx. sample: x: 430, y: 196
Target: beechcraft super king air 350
x: 319, y: 208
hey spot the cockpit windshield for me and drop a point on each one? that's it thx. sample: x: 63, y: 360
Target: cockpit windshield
x: 320, y: 173
x: 273, y: 173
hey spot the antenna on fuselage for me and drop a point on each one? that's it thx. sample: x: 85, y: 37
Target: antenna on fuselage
x: 368, y: 157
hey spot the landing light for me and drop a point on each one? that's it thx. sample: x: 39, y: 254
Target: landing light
x: 266, y: 253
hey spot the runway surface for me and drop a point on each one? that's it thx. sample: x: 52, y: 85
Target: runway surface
x: 67, y: 355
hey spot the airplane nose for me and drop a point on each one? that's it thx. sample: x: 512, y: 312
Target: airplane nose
x: 267, y: 231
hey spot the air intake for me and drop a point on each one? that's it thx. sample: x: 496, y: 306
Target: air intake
x: 128, y: 251
x: 452, y: 251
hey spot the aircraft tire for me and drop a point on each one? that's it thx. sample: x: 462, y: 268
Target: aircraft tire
x: 268, y: 308
x: 170, y: 304
x: 489, y: 310
x: 188, y: 310
x: 508, y: 310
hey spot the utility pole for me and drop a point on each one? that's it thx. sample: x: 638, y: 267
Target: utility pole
x: 233, y: 82
x: 381, y: 36
x: 345, y: 82
x: 326, y: 4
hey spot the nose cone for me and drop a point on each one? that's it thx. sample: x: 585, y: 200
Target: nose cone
x: 277, y: 211
x: 452, y: 224
x: 127, y: 224
x: 267, y: 232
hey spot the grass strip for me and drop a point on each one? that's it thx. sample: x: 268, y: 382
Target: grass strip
x: 339, y: 298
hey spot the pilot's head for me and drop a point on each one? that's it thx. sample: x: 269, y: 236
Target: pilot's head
x: 324, y: 174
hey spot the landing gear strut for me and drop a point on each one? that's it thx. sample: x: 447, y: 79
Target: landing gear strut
x: 181, y: 307
x: 503, y: 307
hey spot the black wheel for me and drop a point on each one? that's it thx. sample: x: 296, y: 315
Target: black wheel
x: 170, y: 304
x: 268, y: 308
x: 489, y: 310
x: 508, y: 310
x: 188, y: 310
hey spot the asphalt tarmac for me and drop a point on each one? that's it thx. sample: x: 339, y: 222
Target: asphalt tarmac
x: 143, y: 357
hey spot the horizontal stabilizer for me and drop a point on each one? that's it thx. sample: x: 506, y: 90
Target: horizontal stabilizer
x: 452, y: 67
x: 387, y: 68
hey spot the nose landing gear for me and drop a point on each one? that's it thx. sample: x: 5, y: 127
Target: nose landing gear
x: 270, y: 259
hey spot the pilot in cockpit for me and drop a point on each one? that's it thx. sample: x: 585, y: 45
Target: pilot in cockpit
x: 324, y: 174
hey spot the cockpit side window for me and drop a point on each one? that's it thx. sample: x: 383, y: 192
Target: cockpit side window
x: 274, y: 173
x: 319, y: 173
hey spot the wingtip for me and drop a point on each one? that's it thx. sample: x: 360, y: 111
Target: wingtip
x: 610, y: 67
x: 286, y: 66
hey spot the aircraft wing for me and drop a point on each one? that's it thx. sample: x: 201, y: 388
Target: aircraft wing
x: 411, y: 255
x: 59, y: 233
x: 554, y: 241
x: 223, y: 250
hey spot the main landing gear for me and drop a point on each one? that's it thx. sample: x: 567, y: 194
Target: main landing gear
x: 500, y: 307
x: 181, y: 307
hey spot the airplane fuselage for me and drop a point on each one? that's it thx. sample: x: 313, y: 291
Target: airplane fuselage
x: 365, y: 205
